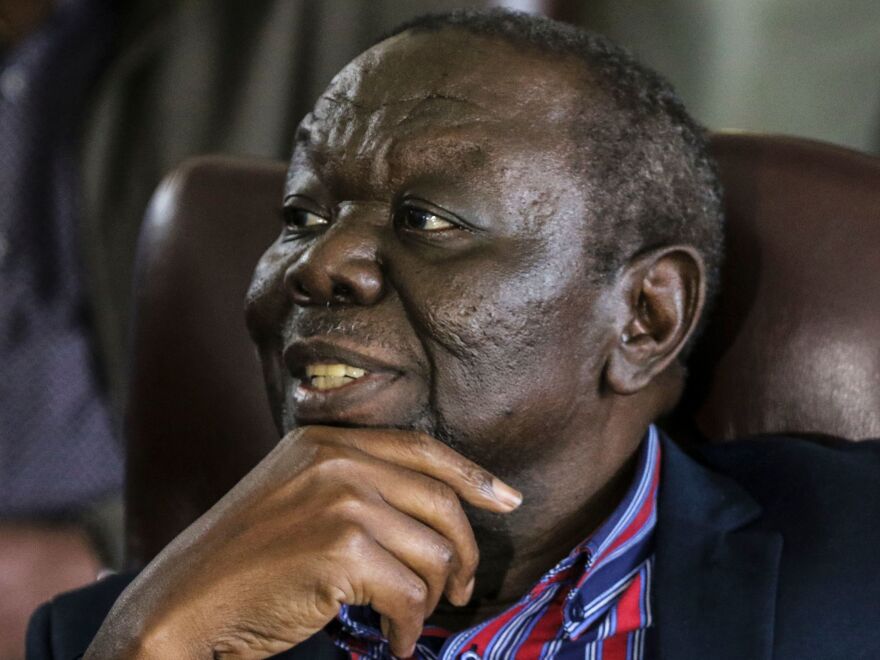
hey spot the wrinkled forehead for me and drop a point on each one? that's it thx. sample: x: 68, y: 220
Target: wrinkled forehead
x: 463, y: 93
x: 456, y: 66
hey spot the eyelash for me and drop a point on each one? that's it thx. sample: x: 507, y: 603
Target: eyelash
x: 290, y: 215
x: 295, y: 219
x: 405, y: 212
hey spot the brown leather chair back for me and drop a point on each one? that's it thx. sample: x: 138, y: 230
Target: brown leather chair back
x: 197, y: 416
x: 794, y: 342
x: 791, y: 347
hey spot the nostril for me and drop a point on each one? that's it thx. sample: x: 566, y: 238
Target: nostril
x: 301, y: 292
x: 342, y: 292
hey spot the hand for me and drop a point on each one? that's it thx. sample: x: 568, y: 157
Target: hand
x: 332, y: 516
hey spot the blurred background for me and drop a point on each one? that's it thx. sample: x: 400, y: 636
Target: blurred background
x: 100, y: 98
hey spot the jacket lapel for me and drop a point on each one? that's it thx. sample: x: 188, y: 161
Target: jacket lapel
x: 715, y: 584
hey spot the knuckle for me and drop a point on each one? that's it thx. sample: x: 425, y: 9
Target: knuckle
x: 478, y: 478
x: 414, y: 594
x: 328, y: 596
x: 333, y: 461
x: 444, y: 552
x: 351, y: 538
x: 348, y: 504
x: 444, y: 499
x: 326, y: 452
x: 471, y: 559
x: 416, y: 444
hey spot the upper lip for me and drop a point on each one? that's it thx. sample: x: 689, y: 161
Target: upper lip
x: 322, y: 351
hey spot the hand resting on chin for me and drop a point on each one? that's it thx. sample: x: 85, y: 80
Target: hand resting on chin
x: 331, y: 516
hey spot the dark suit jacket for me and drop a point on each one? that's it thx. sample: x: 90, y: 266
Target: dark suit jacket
x: 764, y: 549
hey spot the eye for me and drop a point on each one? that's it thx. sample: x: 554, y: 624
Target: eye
x: 297, y: 220
x: 421, y: 220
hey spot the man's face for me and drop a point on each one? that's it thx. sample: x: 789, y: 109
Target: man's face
x: 436, y: 241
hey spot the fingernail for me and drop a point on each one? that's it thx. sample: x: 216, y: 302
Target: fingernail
x: 505, y: 494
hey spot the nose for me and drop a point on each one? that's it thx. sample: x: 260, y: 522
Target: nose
x: 340, y: 268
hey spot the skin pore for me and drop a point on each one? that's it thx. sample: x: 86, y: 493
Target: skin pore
x: 432, y: 333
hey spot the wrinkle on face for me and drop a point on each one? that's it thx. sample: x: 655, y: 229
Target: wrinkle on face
x: 416, y: 103
x: 361, y: 125
x: 382, y: 146
x: 505, y: 321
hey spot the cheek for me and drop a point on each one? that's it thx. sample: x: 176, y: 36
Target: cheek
x: 496, y: 301
x: 504, y: 343
x: 266, y: 302
x: 274, y: 379
x: 472, y: 307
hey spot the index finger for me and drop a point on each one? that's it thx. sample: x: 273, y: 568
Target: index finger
x: 422, y: 453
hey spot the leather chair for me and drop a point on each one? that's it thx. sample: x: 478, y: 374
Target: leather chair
x: 792, y: 345
x: 197, y: 418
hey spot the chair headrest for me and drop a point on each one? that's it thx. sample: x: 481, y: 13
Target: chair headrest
x: 793, y: 344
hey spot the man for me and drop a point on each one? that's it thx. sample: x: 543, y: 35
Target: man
x: 499, y: 237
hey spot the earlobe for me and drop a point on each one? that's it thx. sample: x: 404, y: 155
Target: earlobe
x: 660, y: 297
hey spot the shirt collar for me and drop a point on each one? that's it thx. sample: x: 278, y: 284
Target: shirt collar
x: 620, y: 545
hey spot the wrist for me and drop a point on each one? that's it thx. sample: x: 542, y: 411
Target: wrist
x: 117, y: 640
x: 166, y: 642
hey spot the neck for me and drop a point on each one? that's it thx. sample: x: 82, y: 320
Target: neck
x: 573, y: 484
x: 516, y: 550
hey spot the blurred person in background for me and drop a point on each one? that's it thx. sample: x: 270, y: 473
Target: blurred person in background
x: 98, y: 100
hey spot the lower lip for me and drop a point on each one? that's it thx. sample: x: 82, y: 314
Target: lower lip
x: 355, y: 402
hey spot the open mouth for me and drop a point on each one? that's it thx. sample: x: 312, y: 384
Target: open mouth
x: 337, y: 381
x: 331, y: 376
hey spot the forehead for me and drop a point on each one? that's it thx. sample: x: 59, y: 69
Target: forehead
x: 446, y: 99
x: 458, y: 66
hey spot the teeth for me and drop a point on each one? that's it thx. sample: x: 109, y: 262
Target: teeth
x: 329, y: 382
x: 329, y: 376
x: 334, y: 370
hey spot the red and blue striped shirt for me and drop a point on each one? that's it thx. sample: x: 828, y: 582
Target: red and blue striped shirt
x: 595, y: 604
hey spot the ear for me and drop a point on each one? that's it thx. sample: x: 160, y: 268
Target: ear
x: 660, y: 296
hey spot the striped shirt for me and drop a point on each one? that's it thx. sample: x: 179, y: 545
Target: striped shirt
x: 595, y: 604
